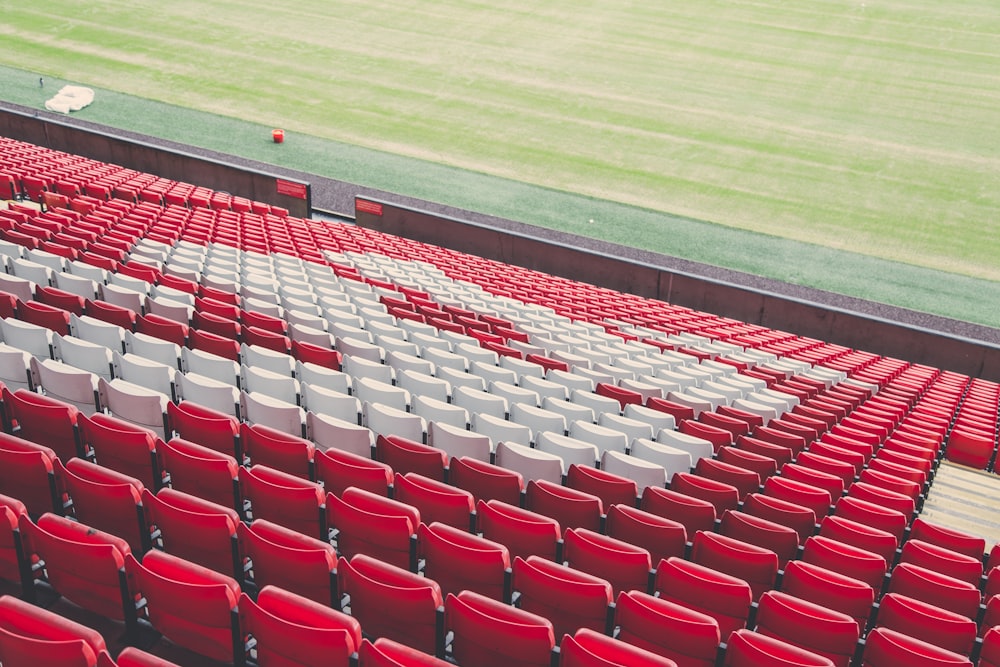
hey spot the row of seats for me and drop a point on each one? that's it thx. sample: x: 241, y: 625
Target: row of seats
x: 98, y: 571
x: 30, y: 635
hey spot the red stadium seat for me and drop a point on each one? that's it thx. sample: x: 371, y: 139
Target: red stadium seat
x: 290, y: 629
x: 571, y: 508
x: 888, y: 648
x: 387, y: 653
x: 374, y: 525
x: 587, y: 648
x: 82, y: 564
x: 524, y: 533
x: 393, y: 602
x: 486, y: 481
x: 459, y: 560
x: 106, y: 500
x: 488, y: 633
x: 193, y: 606
x: 660, y: 536
x: 831, y: 634
x: 436, y: 501
x: 724, y: 597
x: 752, y: 649
x: 290, y: 560
x: 28, y: 473
x: 568, y: 598
x: 668, y: 629
x: 31, y: 636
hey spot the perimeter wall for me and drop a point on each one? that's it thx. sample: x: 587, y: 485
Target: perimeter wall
x: 255, y: 185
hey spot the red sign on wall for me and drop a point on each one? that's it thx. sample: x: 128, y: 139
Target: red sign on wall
x: 365, y: 206
x: 292, y: 189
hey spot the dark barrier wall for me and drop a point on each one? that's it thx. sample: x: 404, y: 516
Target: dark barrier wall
x: 259, y: 186
x: 812, y: 320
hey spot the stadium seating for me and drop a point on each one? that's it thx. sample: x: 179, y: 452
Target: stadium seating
x: 306, y: 408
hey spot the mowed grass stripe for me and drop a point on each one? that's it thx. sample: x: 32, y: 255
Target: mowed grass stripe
x: 856, y: 128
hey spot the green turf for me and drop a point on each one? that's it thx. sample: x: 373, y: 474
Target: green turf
x: 856, y: 128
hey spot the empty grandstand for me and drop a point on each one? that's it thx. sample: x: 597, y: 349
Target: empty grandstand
x: 236, y: 435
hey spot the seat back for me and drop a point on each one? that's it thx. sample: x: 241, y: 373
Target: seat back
x: 81, y: 563
x: 571, y: 508
x: 459, y: 560
x: 935, y: 588
x: 31, y: 636
x: 387, y: 653
x: 393, y: 602
x: 782, y: 540
x: 290, y: 629
x: 933, y: 624
x: 755, y: 565
x: 610, y: 488
x: 800, y: 493
x: 750, y: 649
x: 276, y: 449
x: 724, y: 597
x: 746, y: 481
x: 406, y: 456
x: 523, y: 532
x: 122, y: 446
x: 989, y: 656
x: 854, y: 562
x: 285, y: 499
x: 11, y: 553
x: 888, y: 648
x: 436, y: 501
x: 693, y: 513
x: 194, y: 529
x: 486, y: 481
x: 587, y: 648
x: 948, y: 538
x: 625, y: 566
x: 370, y: 524
x: 810, y: 626
x: 568, y: 598
x: 338, y: 469
x: 723, y: 496
x: 859, y: 535
x: 943, y: 560
x: 829, y: 588
x: 27, y: 472
x: 488, y: 633
x: 797, y: 517
x: 669, y: 629
x: 295, y: 562
x: 44, y: 421
x: 660, y: 536
x: 193, y: 606
x: 106, y: 500
x: 873, y: 515
x: 200, y: 471
x: 133, y: 657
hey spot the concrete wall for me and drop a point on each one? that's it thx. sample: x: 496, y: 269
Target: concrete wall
x: 775, y: 311
x: 178, y: 166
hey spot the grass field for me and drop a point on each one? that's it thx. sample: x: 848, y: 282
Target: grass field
x: 865, y: 127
